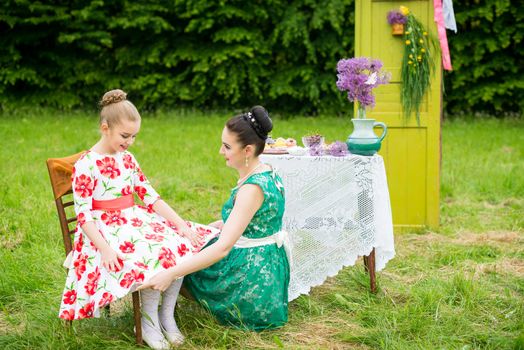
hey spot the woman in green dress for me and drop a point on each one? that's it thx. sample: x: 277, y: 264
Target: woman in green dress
x: 242, y: 276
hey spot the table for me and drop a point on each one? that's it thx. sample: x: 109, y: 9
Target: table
x: 337, y: 209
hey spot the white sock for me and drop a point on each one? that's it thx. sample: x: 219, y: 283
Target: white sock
x: 150, y: 299
x: 167, y: 310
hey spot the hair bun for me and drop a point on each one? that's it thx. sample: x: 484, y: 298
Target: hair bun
x: 262, y: 118
x: 113, y: 96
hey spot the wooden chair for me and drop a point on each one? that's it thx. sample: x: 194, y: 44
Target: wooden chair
x: 60, y: 171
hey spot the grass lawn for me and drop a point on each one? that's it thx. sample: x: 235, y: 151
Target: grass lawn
x: 461, y: 287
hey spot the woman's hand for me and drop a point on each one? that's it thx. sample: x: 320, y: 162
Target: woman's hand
x: 111, y: 260
x: 217, y: 224
x: 161, y: 281
x: 196, y: 239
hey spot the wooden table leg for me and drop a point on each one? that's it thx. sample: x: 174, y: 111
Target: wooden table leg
x: 369, y: 265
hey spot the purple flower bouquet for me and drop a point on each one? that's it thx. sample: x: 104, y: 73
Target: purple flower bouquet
x: 396, y: 17
x: 359, y: 76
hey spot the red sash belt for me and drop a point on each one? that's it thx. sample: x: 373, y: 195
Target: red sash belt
x: 121, y: 203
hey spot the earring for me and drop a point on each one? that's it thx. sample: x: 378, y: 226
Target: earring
x: 247, y: 162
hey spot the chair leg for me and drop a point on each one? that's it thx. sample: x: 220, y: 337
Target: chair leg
x: 369, y: 264
x: 138, y: 318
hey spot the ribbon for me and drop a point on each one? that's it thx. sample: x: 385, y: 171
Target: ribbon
x: 441, y: 29
x: 121, y: 203
x: 281, y: 238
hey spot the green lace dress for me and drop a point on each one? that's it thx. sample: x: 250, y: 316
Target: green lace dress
x: 249, y: 287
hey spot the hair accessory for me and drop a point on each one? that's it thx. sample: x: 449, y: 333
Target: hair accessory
x: 113, y: 97
x: 250, y: 118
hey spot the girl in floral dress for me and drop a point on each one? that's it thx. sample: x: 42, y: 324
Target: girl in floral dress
x: 119, y: 245
x: 242, y: 277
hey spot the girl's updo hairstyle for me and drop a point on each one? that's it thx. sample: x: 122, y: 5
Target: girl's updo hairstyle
x: 115, y: 106
x: 252, y: 128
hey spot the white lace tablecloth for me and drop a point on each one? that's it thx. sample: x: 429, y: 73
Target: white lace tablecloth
x: 337, y: 209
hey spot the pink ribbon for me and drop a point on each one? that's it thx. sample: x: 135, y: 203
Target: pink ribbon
x: 443, y: 39
x: 121, y: 203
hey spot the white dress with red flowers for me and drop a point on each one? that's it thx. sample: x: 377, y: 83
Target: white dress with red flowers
x: 148, y: 242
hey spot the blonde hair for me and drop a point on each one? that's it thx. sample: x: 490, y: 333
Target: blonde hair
x: 115, y: 106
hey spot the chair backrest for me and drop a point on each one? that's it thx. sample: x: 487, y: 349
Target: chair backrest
x: 60, y: 171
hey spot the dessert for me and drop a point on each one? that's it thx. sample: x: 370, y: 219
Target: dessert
x: 290, y: 142
x: 280, y: 145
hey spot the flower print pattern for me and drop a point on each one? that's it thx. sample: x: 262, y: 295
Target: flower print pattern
x: 166, y: 258
x: 182, y: 249
x: 127, y: 190
x: 131, y: 277
x: 127, y: 247
x: 171, y: 225
x: 203, y: 231
x: 68, y: 315
x: 87, y: 310
x: 140, y: 192
x: 148, y: 241
x: 148, y: 208
x: 113, y: 218
x: 154, y: 237
x: 157, y: 227
x: 93, y: 246
x: 108, y: 167
x: 141, y: 176
x: 84, y: 186
x: 141, y: 265
x: 79, y: 243
x: 121, y: 263
x: 81, y: 219
x: 92, y: 281
x: 70, y: 297
x: 136, y: 222
x: 80, y: 265
x: 128, y: 161
x: 106, y: 299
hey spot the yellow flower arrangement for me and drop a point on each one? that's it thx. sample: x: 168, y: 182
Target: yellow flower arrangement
x: 415, y: 73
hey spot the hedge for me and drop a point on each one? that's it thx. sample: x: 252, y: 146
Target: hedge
x: 230, y: 54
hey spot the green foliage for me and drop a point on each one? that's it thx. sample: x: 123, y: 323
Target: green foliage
x: 418, y: 64
x: 167, y: 53
x: 487, y: 55
x: 211, y: 54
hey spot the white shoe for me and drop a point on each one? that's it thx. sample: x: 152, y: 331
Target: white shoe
x: 155, y: 344
x: 175, y: 338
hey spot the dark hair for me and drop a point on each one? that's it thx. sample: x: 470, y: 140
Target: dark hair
x: 252, y: 128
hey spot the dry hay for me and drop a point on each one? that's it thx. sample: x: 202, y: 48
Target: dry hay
x: 490, y: 237
x: 504, y: 266
x: 507, y: 241
x: 10, y: 240
x: 7, y: 327
x: 322, y: 333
